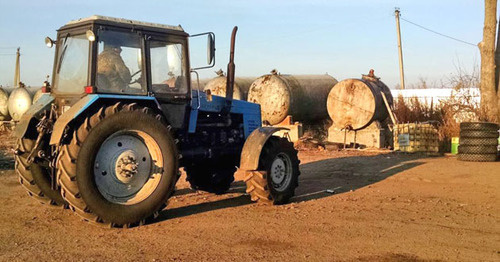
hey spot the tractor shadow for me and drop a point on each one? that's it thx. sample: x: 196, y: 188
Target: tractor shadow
x: 338, y: 175
x: 318, y: 179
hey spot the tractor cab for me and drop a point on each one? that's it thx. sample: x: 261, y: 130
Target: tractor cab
x: 104, y: 55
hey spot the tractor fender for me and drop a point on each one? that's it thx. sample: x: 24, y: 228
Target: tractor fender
x: 35, y: 111
x: 81, y: 107
x: 252, y: 148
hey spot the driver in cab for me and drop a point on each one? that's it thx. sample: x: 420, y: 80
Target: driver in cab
x: 112, y: 72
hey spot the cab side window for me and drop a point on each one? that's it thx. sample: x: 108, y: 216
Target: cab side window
x: 167, y: 67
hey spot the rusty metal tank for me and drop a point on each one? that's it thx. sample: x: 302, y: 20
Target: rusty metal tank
x: 19, y: 102
x: 4, y: 109
x: 202, y: 83
x: 301, y: 96
x: 37, y: 95
x: 217, y: 86
x: 355, y: 103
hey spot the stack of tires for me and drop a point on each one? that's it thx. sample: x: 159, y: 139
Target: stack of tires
x: 478, y: 142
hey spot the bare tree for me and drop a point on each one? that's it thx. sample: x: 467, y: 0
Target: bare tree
x: 489, y: 98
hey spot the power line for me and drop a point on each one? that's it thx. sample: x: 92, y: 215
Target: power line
x: 432, y: 31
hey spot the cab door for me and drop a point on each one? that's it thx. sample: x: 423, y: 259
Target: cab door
x: 169, y: 78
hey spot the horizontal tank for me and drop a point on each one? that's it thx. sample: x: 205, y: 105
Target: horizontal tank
x: 37, y: 95
x: 301, y: 96
x: 202, y: 83
x: 4, y: 102
x: 217, y: 86
x: 355, y: 103
x: 19, y: 102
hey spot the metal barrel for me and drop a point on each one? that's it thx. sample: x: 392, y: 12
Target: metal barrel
x: 19, y: 102
x: 8, y: 89
x: 33, y: 90
x: 194, y: 83
x: 217, y: 86
x: 4, y: 102
x: 37, y: 95
x: 355, y: 103
x: 301, y: 96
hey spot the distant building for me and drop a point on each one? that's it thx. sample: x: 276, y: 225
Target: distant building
x: 435, y: 95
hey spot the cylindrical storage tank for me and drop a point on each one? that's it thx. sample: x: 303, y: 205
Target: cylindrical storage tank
x: 19, y: 102
x: 37, y: 95
x: 195, y: 85
x: 8, y: 89
x: 217, y: 86
x: 4, y: 105
x: 33, y: 90
x: 356, y: 103
x: 301, y: 96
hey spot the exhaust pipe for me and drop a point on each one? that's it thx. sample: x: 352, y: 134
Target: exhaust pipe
x: 230, y: 75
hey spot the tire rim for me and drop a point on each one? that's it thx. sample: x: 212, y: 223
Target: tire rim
x: 128, y: 167
x: 281, y: 172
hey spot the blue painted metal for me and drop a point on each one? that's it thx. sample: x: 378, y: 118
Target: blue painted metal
x: 95, y: 97
x: 193, y: 117
x: 42, y: 104
x: 83, y: 104
x: 250, y: 111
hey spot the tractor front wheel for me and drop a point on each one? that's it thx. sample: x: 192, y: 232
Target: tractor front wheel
x: 278, y: 173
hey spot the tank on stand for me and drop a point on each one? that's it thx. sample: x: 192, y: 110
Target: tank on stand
x: 359, y: 113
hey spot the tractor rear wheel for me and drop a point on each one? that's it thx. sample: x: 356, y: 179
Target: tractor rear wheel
x: 34, y: 177
x: 120, y: 167
x: 281, y: 165
x: 211, y: 179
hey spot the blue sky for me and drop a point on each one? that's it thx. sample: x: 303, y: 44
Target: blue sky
x: 342, y: 38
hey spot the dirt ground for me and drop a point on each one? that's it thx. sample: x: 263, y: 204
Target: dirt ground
x: 385, y: 207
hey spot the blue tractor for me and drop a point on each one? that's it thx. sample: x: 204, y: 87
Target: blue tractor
x: 109, y: 135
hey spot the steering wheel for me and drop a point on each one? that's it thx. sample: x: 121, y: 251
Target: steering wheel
x: 132, y: 76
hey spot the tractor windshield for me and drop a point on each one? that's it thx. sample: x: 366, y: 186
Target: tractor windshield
x: 119, y: 63
x: 72, y: 64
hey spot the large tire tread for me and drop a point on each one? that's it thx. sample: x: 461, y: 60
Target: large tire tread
x: 258, y: 183
x: 479, y: 126
x: 478, y: 134
x: 210, y: 179
x: 477, y: 157
x: 478, y: 141
x: 477, y: 149
x: 66, y: 171
x: 257, y: 188
x: 23, y: 170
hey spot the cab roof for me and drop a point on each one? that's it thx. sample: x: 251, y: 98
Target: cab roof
x: 122, y: 22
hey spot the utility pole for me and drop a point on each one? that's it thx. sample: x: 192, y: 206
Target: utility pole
x: 400, y: 47
x: 17, y: 72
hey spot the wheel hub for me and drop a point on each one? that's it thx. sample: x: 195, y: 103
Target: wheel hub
x: 126, y: 166
x: 278, y: 171
x: 281, y: 172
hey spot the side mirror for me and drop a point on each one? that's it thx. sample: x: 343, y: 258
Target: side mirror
x: 199, y: 49
x: 210, y: 48
x: 49, y: 42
